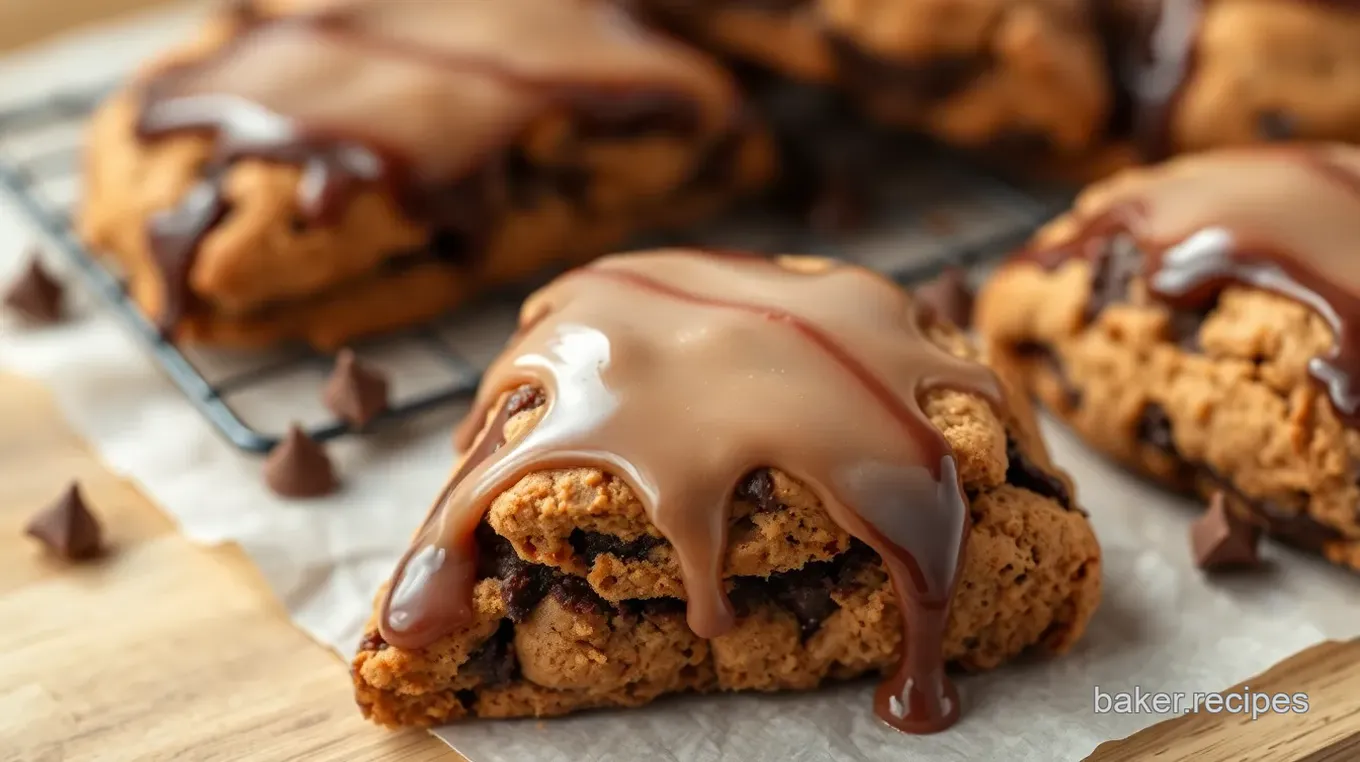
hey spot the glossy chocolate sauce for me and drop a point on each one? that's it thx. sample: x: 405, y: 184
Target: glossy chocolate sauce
x: 680, y: 372
x: 1285, y: 220
x: 422, y: 99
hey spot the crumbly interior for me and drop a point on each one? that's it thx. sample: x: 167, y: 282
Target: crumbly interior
x: 1220, y: 400
x: 581, y: 606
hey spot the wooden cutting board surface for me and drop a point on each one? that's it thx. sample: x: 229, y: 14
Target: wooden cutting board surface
x: 169, y: 651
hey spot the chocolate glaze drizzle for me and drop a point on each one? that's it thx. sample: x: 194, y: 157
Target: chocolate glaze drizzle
x: 680, y: 372
x: 420, y: 98
x: 1282, y: 219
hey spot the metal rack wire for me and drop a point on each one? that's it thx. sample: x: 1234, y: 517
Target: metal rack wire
x: 436, y: 365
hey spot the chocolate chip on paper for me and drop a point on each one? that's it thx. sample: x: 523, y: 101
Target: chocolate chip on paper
x: 356, y: 392
x: 1220, y: 539
x: 298, y: 467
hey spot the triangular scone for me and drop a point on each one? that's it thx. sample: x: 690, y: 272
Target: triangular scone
x: 579, y: 601
x: 325, y: 169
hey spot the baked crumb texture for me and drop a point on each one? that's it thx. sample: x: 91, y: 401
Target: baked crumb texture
x: 1216, y: 401
x: 580, y: 603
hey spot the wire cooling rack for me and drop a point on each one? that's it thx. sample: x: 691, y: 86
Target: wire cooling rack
x: 941, y: 211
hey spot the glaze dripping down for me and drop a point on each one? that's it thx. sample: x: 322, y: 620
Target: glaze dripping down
x: 681, y: 372
x: 1282, y: 219
x: 421, y: 101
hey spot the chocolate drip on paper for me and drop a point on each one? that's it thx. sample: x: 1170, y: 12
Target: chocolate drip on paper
x: 682, y: 372
x: 420, y: 100
x: 1285, y: 220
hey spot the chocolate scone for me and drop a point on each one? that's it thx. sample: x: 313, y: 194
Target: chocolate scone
x: 1201, y: 75
x: 702, y: 471
x: 321, y: 170
x: 1196, y: 321
x: 976, y: 73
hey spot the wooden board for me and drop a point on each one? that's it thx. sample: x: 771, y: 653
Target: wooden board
x: 23, y: 22
x: 168, y: 651
x: 162, y: 651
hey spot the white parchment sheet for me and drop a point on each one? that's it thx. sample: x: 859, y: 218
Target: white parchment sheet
x: 1162, y: 626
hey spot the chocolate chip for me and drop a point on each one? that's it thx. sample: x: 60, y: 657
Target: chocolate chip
x: 524, y: 588
x: 1184, y: 328
x: 576, y: 595
x: 35, y: 295
x: 1154, y: 429
x: 1290, y: 524
x: 948, y: 296
x: 1024, y: 473
x: 67, y: 528
x: 298, y: 467
x: 1035, y: 351
x: 524, y: 398
x: 373, y: 641
x: 757, y: 488
x: 1113, y: 271
x: 355, y: 392
x: 591, y: 545
x: 1221, y: 539
x: 1276, y: 126
x: 807, y: 594
x: 494, y: 662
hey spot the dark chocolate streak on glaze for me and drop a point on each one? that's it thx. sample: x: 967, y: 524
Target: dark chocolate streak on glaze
x: 431, y: 590
x: 335, y: 167
x: 1188, y: 275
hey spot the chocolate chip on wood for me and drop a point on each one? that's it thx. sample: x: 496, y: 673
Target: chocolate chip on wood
x: 67, y: 528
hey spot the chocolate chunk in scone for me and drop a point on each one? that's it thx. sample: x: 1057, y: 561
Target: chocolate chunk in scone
x: 325, y: 170
x: 1199, y: 75
x: 703, y: 471
x: 975, y: 73
x: 1198, y: 320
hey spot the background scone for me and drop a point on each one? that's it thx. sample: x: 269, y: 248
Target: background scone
x: 1197, y: 321
x: 976, y: 73
x: 321, y: 170
x: 1233, y: 72
x: 544, y: 582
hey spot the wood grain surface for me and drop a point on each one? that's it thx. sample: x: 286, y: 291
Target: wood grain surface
x: 162, y: 650
x: 23, y: 22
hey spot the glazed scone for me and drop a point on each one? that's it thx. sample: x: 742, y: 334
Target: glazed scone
x: 1195, y: 320
x: 590, y: 591
x: 312, y: 169
x: 975, y: 73
x: 1235, y: 72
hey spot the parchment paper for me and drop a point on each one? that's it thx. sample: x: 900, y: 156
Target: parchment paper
x: 1162, y: 626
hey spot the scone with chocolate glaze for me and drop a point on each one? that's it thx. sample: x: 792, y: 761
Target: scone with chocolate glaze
x: 1202, y: 75
x: 1198, y: 321
x: 324, y: 169
x: 974, y: 73
x: 693, y: 471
